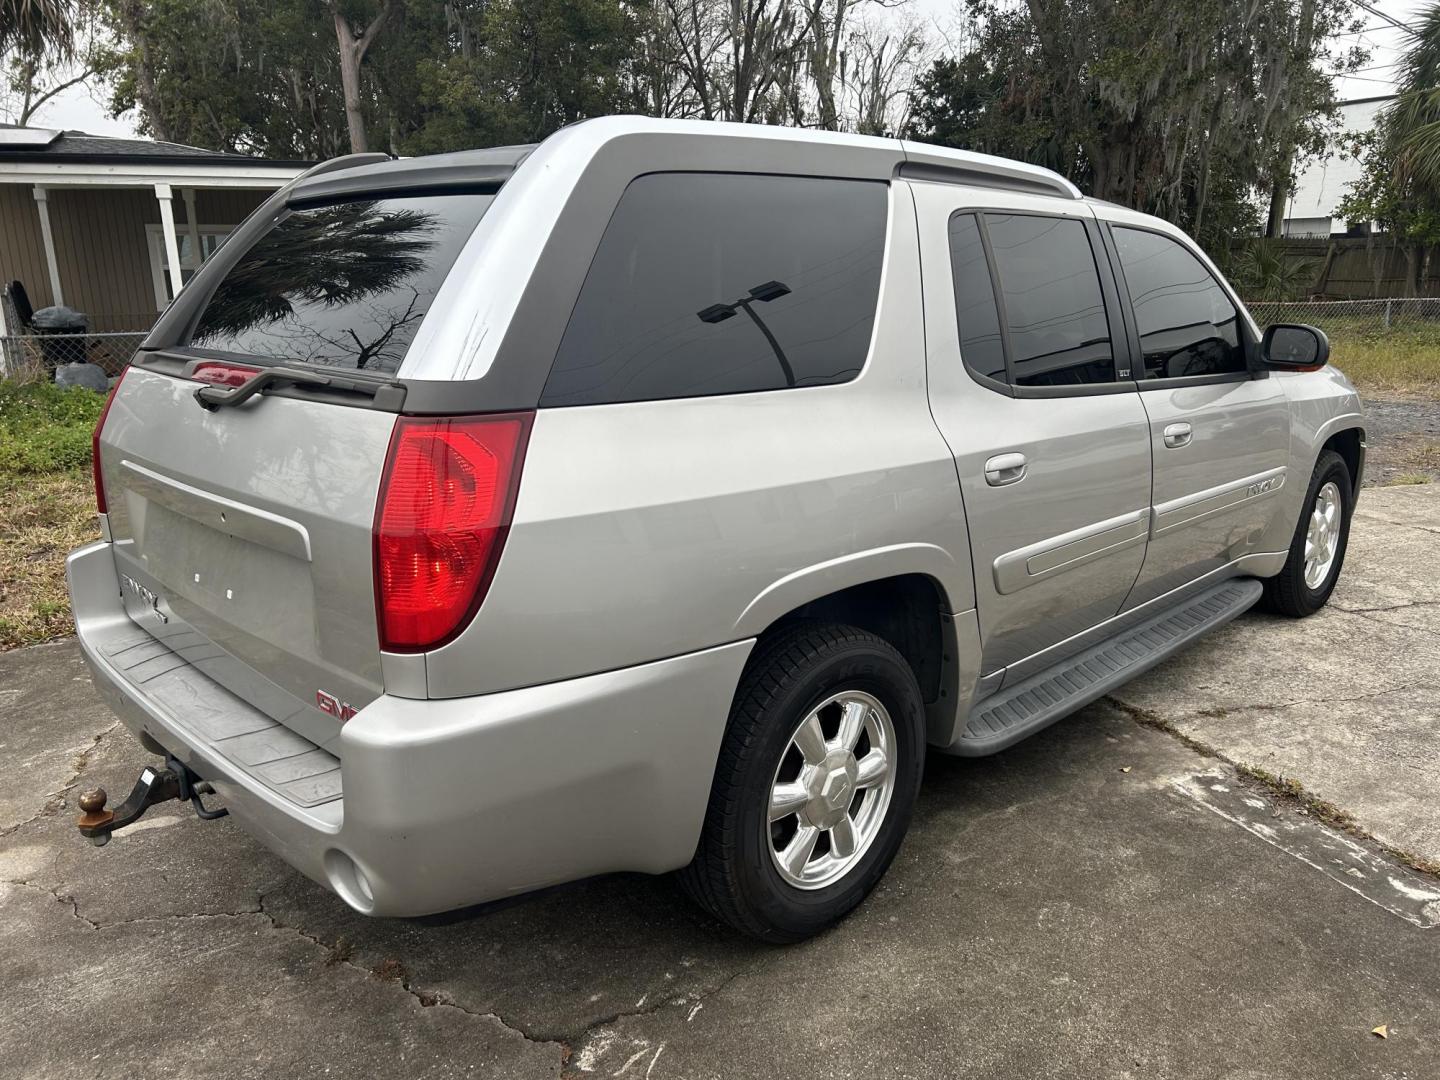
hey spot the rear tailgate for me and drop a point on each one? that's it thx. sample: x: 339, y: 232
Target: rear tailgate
x: 243, y: 541
x: 243, y: 532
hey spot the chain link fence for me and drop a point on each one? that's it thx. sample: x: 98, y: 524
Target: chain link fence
x: 1352, y: 316
x: 26, y: 357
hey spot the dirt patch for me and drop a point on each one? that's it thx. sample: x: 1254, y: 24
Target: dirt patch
x: 1404, y: 440
x: 42, y: 518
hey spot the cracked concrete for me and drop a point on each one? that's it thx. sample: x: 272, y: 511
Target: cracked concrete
x: 46, y: 759
x: 1058, y: 910
x: 1347, y: 702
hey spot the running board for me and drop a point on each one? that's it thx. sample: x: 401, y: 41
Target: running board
x: 1047, y: 696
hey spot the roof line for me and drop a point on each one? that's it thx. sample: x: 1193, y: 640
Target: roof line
x: 236, y: 161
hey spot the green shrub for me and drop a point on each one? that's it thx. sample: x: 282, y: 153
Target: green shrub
x: 44, y: 428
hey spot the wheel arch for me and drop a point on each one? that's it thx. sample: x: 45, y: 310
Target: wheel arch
x: 1349, y: 443
x: 912, y: 612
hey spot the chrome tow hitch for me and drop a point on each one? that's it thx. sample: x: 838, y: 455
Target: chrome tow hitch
x: 172, y: 781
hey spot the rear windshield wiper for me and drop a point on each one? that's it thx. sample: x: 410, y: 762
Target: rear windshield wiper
x: 212, y: 397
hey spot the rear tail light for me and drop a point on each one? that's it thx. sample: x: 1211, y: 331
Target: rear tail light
x: 100, y: 504
x: 222, y: 373
x: 446, y: 500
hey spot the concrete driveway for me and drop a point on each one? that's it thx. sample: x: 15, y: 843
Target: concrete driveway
x: 1110, y: 899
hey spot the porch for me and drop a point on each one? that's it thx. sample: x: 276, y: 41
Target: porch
x: 111, y: 228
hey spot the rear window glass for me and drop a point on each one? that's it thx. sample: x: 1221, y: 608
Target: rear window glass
x: 341, y: 285
x: 722, y: 284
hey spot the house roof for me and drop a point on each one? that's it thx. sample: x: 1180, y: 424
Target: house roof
x: 25, y: 144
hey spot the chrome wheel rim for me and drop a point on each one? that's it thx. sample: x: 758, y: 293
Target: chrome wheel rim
x: 831, y: 789
x: 1322, y: 537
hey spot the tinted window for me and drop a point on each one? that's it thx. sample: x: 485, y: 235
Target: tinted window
x: 1187, y: 324
x: 981, y: 346
x: 344, y: 285
x: 725, y: 283
x: 1054, y: 309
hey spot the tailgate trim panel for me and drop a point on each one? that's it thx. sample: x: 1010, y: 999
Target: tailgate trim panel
x: 216, y: 512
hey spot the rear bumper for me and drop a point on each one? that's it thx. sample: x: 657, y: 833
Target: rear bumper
x: 453, y: 802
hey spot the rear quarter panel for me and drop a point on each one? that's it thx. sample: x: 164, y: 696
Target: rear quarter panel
x: 651, y: 529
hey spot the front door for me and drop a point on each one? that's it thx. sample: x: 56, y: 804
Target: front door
x: 1219, y: 436
x: 1051, y: 450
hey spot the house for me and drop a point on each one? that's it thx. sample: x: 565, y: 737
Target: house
x: 1324, y: 182
x: 113, y: 226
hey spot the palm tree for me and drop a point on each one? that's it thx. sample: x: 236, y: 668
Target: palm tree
x: 36, y: 27
x: 1414, y: 120
x: 1265, y: 272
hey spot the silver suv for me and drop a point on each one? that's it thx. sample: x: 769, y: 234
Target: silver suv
x: 651, y: 498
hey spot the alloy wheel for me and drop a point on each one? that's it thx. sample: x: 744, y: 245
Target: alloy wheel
x: 1322, y: 538
x: 831, y: 790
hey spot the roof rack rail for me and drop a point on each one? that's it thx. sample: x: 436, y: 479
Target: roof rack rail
x: 982, y: 170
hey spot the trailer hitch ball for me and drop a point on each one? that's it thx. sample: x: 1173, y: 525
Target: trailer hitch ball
x: 92, y: 803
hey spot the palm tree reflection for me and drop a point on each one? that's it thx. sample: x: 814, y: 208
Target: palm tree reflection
x: 354, y: 255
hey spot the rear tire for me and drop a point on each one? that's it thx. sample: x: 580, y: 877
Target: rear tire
x: 800, y: 827
x: 1317, y: 550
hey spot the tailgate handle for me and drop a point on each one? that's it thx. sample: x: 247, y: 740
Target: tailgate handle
x: 213, y: 397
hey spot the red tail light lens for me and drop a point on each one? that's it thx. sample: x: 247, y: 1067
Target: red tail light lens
x: 100, y: 504
x: 445, y: 505
x: 223, y: 374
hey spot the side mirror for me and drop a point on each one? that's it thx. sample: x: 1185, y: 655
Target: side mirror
x: 1294, y: 347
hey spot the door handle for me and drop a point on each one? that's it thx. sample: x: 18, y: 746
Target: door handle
x: 1177, y: 435
x: 1005, y: 469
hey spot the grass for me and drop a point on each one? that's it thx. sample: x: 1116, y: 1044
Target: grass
x: 1404, y: 359
x: 47, y: 505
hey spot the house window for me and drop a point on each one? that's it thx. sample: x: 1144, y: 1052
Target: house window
x: 210, y: 237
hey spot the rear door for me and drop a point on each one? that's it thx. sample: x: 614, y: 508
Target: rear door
x: 1220, y: 436
x: 243, y: 535
x: 1051, y: 446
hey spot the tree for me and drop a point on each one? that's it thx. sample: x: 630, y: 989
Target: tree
x: 1142, y: 102
x: 533, y: 67
x: 1264, y: 271
x: 36, y: 27
x: 1400, y: 187
x: 37, y: 44
x: 884, y: 71
x: 353, y: 47
x: 1394, y: 197
x: 1413, y: 121
x: 33, y: 79
x: 253, y: 76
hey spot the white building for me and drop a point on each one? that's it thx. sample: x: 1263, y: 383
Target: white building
x: 1324, y: 182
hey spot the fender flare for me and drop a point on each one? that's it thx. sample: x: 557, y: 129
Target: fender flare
x: 800, y: 587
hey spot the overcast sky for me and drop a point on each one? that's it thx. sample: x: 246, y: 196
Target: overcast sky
x: 82, y: 108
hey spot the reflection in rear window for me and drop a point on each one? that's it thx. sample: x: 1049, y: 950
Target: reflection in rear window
x: 342, y: 285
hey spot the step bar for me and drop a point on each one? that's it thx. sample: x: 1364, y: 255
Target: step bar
x: 1007, y: 717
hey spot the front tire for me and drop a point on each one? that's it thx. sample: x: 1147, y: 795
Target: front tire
x: 1317, y: 550
x: 815, y: 783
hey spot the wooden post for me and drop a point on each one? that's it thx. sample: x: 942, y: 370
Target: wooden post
x: 172, y: 244
x: 47, y: 238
